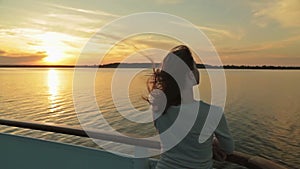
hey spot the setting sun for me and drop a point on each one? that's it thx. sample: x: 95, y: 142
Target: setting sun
x: 53, y: 44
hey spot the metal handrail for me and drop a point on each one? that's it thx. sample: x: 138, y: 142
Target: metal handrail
x: 77, y: 131
x: 252, y: 162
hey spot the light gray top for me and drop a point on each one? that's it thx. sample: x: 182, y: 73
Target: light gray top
x: 189, y: 153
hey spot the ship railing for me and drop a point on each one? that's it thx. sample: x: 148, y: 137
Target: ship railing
x: 243, y: 159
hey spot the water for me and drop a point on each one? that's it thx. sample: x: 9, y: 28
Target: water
x: 262, y: 107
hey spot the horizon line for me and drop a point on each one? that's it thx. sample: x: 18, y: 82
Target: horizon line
x: 142, y: 65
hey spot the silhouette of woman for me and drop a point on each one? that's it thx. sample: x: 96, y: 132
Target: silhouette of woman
x: 171, y: 88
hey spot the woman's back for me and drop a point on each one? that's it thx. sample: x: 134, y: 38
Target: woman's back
x: 189, y: 153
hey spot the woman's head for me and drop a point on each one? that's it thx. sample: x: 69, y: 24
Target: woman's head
x: 179, y: 62
x: 178, y: 71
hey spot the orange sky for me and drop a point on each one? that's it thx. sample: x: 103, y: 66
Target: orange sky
x: 263, y: 32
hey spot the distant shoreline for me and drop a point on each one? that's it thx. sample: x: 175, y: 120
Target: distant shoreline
x: 148, y: 65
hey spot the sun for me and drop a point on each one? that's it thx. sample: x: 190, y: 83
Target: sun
x: 54, y: 55
x: 54, y: 47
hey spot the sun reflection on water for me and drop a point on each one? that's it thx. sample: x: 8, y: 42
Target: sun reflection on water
x: 53, y: 83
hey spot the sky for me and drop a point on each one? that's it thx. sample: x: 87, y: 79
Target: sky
x: 248, y: 32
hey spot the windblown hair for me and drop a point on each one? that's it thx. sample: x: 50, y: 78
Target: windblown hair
x: 163, y: 81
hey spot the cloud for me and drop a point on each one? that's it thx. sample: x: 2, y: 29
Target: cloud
x: 130, y: 45
x: 273, y: 45
x: 2, y: 52
x: 219, y: 32
x: 169, y: 1
x: 70, y: 23
x: 69, y: 20
x: 285, y: 12
x: 283, y: 52
x: 25, y: 58
x: 34, y: 43
x: 60, y: 25
x: 83, y: 11
x: 223, y: 33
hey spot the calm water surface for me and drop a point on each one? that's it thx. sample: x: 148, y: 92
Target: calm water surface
x: 262, y: 107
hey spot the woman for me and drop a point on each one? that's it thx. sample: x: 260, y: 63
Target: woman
x: 171, y: 91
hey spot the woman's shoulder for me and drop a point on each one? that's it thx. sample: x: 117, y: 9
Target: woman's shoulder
x: 209, y: 107
x: 202, y: 105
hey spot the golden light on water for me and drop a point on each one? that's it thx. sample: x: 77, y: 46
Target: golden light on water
x: 53, y: 83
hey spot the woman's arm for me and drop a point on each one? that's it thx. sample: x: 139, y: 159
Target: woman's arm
x: 224, y: 137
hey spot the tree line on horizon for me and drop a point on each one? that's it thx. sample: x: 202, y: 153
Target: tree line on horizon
x: 150, y: 65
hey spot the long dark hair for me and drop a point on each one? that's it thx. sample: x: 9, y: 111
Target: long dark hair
x: 163, y: 81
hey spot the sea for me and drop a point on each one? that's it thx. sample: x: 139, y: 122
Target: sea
x: 262, y: 107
